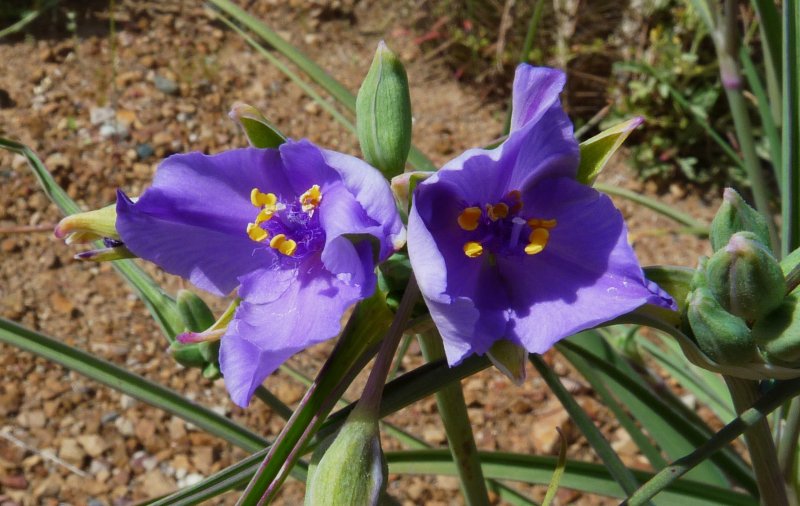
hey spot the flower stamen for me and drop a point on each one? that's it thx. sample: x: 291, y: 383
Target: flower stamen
x: 311, y: 198
x: 473, y: 249
x: 537, y: 240
x: 259, y: 199
x: 282, y: 244
x: 256, y: 233
x: 538, y: 223
x: 468, y: 219
x: 497, y: 211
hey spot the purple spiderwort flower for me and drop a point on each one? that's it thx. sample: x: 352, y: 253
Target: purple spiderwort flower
x: 507, y: 245
x: 277, y: 224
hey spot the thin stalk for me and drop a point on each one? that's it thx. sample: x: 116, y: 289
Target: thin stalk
x: 768, y: 123
x: 769, y: 25
x: 664, y: 209
x: 760, y: 444
x: 373, y: 391
x: 268, y: 398
x: 746, y: 419
x: 790, y: 184
x: 787, y: 445
x: 530, y: 35
x: 453, y: 411
x: 613, y: 463
x: 726, y: 42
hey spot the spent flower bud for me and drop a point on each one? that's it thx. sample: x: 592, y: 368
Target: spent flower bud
x: 778, y: 333
x: 723, y: 337
x: 349, y: 467
x: 259, y: 131
x: 383, y: 113
x: 735, y: 215
x: 745, y: 278
x: 89, y: 226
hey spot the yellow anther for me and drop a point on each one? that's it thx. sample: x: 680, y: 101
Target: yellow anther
x: 473, y: 249
x: 259, y: 199
x: 264, y: 215
x: 468, y: 219
x: 256, y: 233
x: 282, y: 244
x: 515, y: 195
x: 537, y: 223
x: 537, y: 241
x: 497, y: 211
x: 311, y: 198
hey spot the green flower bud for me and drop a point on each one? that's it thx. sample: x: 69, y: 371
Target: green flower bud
x: 195, y: 313
x: 383, y: 114
x: 745, y: 278
x: 349, y: 467
x: 735, y: 215
x: 90, y: 226
x: 259, y: 131
x: 510, y: 359
x: 778, y: 333
x: 723, y: 337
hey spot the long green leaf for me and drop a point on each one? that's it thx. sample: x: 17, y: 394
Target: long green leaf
x: 771, y: 41
x: 692, y: 378
x: 307, y: 65
x: 681, y: 217
x: 764, y: 111
x: 679, y: 430
x: 596, y: 379
x: 129, y: 383
x: 160, y: 305
x: 583, y: 476
x: 602, y: 448
x: 790, y: 184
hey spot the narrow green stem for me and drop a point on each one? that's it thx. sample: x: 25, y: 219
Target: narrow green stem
x: 621, y: 474
x: 790, y: 184
x: 668, y: 211
x: 373, y: 391
x: 760, y: 444
x: 453, y: 411
x: 726, y: 42
x: 787, y: 445
x: 268, y: 398
x: 747, y: 418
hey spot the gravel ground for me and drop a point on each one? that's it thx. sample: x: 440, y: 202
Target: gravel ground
x: 101, y: 108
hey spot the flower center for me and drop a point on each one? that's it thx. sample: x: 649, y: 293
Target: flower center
x: 499, y: 228
x: 290, y: 227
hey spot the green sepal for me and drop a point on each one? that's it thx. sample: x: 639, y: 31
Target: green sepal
x: 259, y: 131
x: 195, y: 313
x: 735, y: 215
x: 723, y: 337
x: 349, y: 467
x: 383, y: 114
x: 597, y: 151
x: 745, y: 278
x: 778, y: 333
x: 188, y: 355
x: 509, y: 358
x: 212, y: 371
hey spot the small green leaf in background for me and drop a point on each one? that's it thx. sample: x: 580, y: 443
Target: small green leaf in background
x: 552, y: 488
x: 258, y: 130
x: 597, y: 151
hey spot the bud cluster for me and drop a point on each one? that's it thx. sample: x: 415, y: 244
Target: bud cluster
x: 738, y: 308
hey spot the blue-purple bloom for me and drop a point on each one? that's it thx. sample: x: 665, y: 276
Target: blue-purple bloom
x: 293, y: 228
x: 507, y: 245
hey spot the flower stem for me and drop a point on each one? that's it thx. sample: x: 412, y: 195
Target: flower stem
x: 373, y: 391
x: 453, y: 411
x: 760, y: 444
x: 747, y: 418
x: 726, y: 42
x: 787, y: 445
